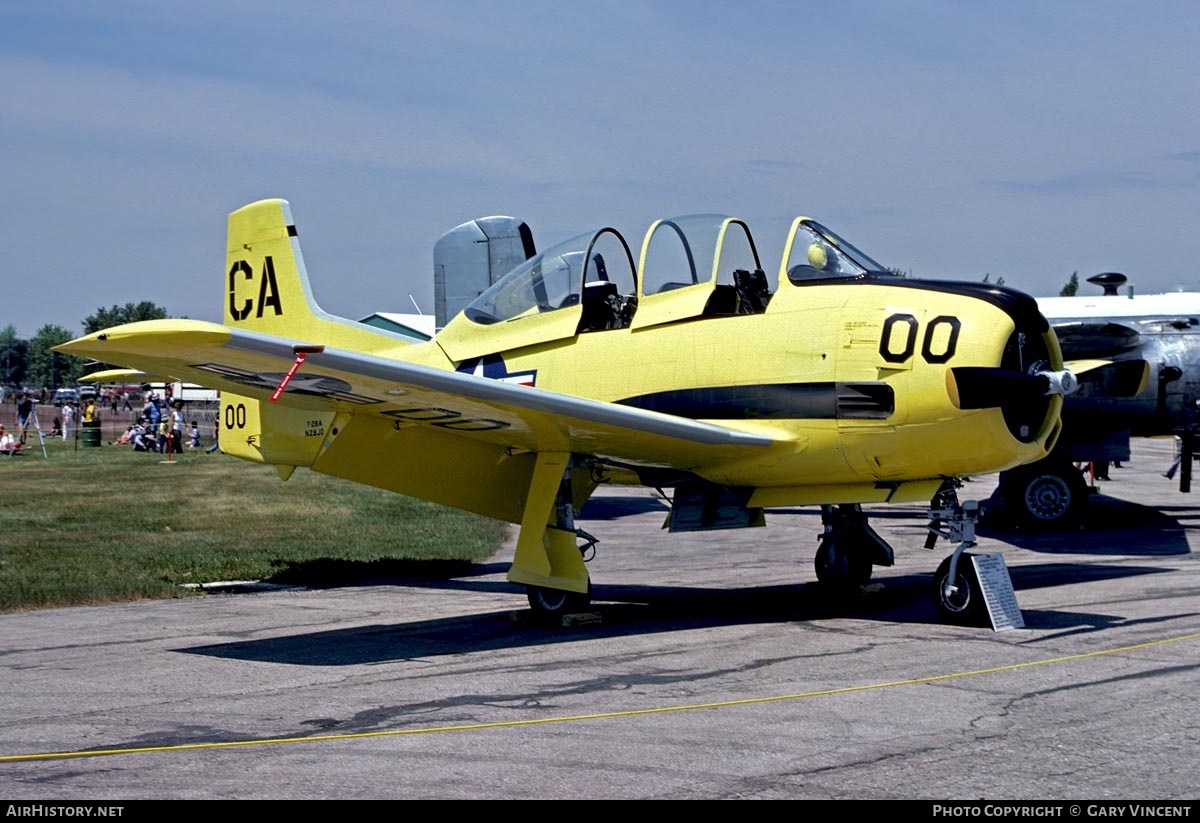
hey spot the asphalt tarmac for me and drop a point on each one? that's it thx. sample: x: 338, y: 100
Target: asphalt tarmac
x: 712, y: 667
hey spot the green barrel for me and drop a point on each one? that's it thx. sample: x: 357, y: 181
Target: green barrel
x: 90, y: 435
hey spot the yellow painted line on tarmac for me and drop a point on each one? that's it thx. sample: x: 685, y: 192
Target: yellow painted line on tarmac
x: 13, y: 758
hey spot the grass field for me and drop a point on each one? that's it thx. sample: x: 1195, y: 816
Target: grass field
x: 98, y: 525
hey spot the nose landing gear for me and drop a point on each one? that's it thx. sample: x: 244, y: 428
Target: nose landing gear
x: 957, y: 592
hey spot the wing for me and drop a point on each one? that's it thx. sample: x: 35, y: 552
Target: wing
x: 1087, y: 339
x: 1110, y: 378
x: 514, y: 416
x: 117, y: 376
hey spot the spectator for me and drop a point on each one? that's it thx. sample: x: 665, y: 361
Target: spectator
x: 24, y: 412
x: 150, y: 409
x: 194, y: 436
x: 68, y: 423
x: 175, y: 444
x: 8, y: 443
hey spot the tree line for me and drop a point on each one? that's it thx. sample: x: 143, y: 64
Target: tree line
x: 34, y: 363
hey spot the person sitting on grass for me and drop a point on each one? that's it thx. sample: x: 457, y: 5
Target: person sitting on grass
x: 8, y: 443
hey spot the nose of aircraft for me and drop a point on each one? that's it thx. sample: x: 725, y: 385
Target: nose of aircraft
x: 1029, y: 379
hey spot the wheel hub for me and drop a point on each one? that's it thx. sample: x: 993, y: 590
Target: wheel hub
x: 1048, y: 498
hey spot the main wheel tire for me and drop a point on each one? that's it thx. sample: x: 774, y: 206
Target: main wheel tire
x: 1047, y: 498
x: 964, y: 604
x: 842, y: 564
x: 549, y: 605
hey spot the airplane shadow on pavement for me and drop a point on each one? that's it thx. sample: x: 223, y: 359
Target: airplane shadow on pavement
x: 635, y: 610
x: 1115, y: 528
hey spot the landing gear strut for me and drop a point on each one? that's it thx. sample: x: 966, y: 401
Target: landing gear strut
x: 957, y: 592
x: 548, y: 561
x: 849, y: 548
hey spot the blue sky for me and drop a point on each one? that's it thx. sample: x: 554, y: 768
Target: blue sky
x: 952, y: 140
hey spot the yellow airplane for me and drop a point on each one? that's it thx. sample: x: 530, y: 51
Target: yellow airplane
x: 834, y: 384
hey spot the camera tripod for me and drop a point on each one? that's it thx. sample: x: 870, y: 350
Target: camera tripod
x: 32, y: 420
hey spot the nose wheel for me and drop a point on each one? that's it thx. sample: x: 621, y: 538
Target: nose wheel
x: 957, y: 592
x: 956, y: 589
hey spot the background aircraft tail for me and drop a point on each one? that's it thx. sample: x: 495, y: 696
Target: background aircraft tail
x: 471, y: 257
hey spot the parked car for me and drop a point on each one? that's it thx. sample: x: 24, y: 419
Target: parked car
x: 63, y: 396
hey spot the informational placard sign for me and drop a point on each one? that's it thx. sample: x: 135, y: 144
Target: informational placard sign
x: 998, y: 592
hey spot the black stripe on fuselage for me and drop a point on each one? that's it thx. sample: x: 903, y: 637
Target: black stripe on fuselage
x: 774, y: 401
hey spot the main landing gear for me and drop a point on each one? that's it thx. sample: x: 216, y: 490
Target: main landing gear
x: 552, y: 605
x: 849, y: 548
x: 548, y: 560
x: 1050, y: 494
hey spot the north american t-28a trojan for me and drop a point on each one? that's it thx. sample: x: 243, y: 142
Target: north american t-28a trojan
x: 835, y: 383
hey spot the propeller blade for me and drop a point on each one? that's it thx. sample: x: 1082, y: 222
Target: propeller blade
x: 986, y: 387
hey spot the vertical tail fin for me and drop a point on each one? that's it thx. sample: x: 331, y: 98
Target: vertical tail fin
x: 267, y: 291
x: 267, y: 286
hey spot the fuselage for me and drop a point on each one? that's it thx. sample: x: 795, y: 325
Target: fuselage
x: 835, y: 381
x: 850, y: 377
